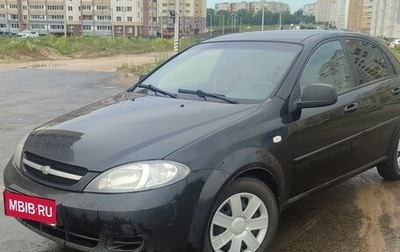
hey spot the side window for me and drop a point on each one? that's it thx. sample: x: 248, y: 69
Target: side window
x: 327, y: 65
x: 369, y: 61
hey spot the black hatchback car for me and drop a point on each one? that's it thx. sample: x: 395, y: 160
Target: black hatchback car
x: 203, y: 153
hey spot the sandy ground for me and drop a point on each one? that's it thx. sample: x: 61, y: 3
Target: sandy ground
x: 102, y: 64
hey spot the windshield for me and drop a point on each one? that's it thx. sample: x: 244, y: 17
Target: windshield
x: 238, y: 70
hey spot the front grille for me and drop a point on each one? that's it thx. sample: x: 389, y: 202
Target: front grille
x: 73, y: 236
x: 89, y: 241
x: 67, y: 169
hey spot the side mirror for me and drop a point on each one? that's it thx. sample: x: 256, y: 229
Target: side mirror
x: 318, y: 95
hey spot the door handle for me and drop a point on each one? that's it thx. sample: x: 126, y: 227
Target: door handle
x: 396, y: 91
x: 351, y: 108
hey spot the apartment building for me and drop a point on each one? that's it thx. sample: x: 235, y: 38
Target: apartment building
x: 253, y: 7
x: 342, y: 14
x: 327, y: 11
x: 192, y: 16
x: 128, y: 18
x: 386, y: 19
x: 309, y: 9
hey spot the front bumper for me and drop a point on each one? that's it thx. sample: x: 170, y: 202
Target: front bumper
x: 156, y: 220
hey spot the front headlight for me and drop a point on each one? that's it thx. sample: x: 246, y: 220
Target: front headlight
x: 138, y: 177
x: 17, y: 158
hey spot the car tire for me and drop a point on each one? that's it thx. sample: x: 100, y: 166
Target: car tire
x: 244, y: 218
x: 390, y: 169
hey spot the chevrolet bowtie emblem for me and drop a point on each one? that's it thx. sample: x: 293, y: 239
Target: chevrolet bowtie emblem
x: 45, y: 169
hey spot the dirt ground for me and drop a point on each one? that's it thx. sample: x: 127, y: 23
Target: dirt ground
x: 100, y: 64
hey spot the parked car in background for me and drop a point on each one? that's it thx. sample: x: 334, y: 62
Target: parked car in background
x: 203, y: 153
x: 6, y: 34
x: 28, y: 34
x: 395, y: 43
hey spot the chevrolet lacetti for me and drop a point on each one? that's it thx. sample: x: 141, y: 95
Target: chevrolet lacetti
x: 203, y: 153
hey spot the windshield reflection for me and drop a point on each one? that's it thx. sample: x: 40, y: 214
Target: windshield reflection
x: 237, y: 70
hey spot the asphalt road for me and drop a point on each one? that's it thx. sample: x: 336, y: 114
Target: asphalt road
x: 361, y: 214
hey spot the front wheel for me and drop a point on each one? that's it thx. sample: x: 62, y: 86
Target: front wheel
x: 244, y: 218
x: 391, y: 168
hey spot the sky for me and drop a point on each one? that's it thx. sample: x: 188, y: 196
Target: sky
x: 294, y: 4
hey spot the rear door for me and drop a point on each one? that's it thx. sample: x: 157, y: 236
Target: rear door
x: 326, y: 139
x: 379, y: 84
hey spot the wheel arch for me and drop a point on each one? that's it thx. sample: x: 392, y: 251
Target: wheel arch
x: 266, y: 177
x: 252, y: 162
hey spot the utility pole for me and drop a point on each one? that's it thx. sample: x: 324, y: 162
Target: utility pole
x: 211, y: 24
x: 223, y: 24
x: 176, y: 28
x: 262, y: 16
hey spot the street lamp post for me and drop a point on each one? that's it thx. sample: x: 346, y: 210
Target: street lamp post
x: 211, y: 24
x: 123, y: 21
x: 262, y: 16
x: 223, y: 24
x: 176, y: 27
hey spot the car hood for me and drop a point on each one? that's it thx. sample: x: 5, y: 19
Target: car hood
x: 129, y: 127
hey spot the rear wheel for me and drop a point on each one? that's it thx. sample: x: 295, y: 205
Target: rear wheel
x: 245, y: 218
x: 391, y: 168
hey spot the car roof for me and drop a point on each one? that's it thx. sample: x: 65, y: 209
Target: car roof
x: 289, y: 36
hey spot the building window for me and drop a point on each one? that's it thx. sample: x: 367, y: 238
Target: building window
x: 87, y: 17
x: 103, y: 17
x: 104, y: 28
x: 2, y: 15
x: 24, y: 7
x: 2, y: 6
x: 69, y: 8
x: 101, y: 7
x: 36, y: 7
x: 14, y: 25
x: 119, y: 8
x: 129, y: 8
x: 70, y: 18
x: 13, y: 6
x: 130, y: 19
x: 187, y: 4
x: 25, y: 17
x: 37, y: 17
x: 119, y: 19
x: 87, y: 28
x: 55, y: 7
x: 38, y: 27
x: 2, y: 25
x: 57, y: 27
x: 86, y: 7
x: 14, y: 16
x: 56, y: 17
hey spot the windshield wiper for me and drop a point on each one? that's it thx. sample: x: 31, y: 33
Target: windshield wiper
x: 157, y: 90
x: 202, y: 94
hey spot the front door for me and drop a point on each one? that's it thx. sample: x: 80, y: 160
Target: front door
x: 326, y: 138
